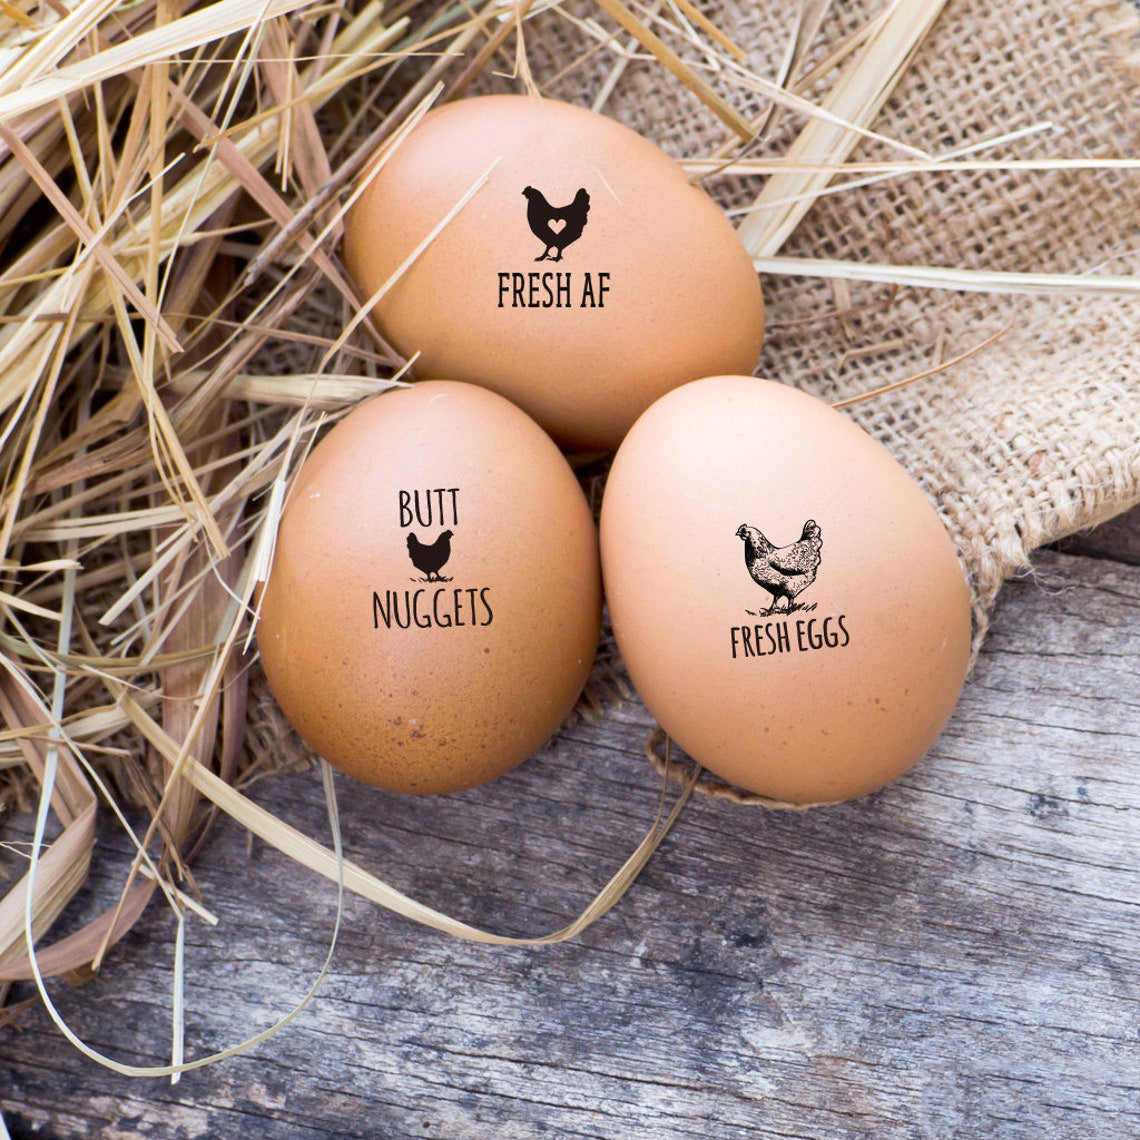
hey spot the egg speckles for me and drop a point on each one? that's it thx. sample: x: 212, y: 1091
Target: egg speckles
x: 788, y: 603
x: 584, y: 277
x: 434, y: 602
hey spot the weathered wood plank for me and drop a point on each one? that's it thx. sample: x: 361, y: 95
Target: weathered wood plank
x: 955, y: 956
x: 1117, y: 539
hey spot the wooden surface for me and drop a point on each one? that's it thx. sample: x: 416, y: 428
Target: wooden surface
x: 956, y: 956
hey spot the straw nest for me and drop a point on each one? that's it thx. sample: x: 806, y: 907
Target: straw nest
x: 172, y: 311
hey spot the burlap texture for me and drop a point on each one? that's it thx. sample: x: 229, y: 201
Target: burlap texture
x: 1038, y: 436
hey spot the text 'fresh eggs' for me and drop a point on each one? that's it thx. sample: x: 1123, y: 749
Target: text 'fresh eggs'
x: 787, y: 601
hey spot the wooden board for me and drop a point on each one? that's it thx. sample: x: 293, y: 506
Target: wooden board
x: 956, y: 956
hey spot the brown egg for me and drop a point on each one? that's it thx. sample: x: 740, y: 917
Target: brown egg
x: 585, y: 276
x: 434, y: 602
x: 788, y: 603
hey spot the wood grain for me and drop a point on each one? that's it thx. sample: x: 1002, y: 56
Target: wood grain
x: 955, y: 956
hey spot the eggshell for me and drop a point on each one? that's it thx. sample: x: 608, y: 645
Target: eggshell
x: 848, y: 688
x: 655, y: 290
x: 434, y: 601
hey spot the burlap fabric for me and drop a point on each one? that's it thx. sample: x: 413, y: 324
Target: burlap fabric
x: 1038, y: 436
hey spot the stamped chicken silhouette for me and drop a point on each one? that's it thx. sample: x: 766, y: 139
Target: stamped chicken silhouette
x: 556, y: 227
x: 430, y: 559
x: 784, y: 571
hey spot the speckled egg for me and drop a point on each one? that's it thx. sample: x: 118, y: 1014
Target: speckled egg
x: 434, y: 601
x: 555, y: 256
x: 788, y: 603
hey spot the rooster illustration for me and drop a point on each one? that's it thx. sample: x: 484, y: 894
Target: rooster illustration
x: 429, y: 560
x: 784, y: 571
x: 556, y: 228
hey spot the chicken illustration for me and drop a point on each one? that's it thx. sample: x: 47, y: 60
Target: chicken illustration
x: 429, y: 560
x: 556, y: 228
x: 784, y: 571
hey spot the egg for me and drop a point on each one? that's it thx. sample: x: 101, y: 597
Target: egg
x: 434, y: 601
x: 577, y: 272
x: 787, y: 601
